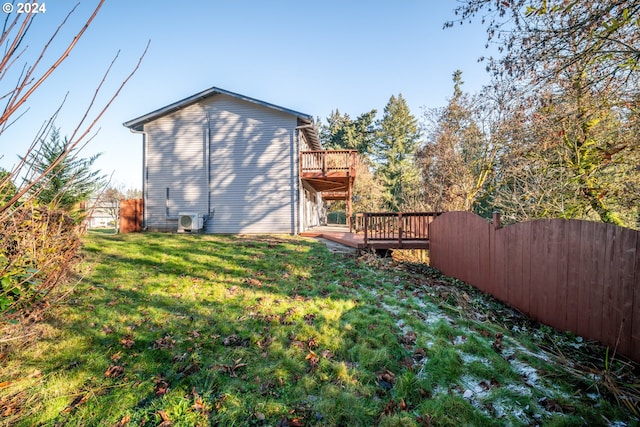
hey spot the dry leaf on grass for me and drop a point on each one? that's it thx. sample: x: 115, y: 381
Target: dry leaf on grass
x: 166, y: 421
x: 79, y: 400
x: 114, y: 371
x: 127, y: 341
x: 123, y: 422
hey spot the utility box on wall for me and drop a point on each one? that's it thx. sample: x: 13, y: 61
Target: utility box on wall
x: 190, y: 222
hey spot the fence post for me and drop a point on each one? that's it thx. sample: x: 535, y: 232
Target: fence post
x: 496, y: 220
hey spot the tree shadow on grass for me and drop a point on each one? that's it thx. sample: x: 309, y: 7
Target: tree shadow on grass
x: 170, y: 318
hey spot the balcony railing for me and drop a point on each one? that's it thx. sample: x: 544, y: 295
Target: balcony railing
x: 396, y: 226
x: 328, y: 162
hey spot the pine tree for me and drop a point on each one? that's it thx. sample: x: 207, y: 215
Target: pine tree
x: 398, y: 137
x: 7, y: 188
x: 69, y: 181
x: 343, y: 133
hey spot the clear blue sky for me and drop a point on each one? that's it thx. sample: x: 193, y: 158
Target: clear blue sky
x: 313, y: 57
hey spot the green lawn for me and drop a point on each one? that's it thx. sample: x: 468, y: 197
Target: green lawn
x: 187, y: 330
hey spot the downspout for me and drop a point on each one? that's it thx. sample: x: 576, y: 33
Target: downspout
x: 297, y: 183
x: 144, y: 175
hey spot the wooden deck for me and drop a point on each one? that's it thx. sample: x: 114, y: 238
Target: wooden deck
x: 338, y: 234
x: 381, y: 230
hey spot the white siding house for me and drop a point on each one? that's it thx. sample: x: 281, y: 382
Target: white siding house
x: 230, y: 158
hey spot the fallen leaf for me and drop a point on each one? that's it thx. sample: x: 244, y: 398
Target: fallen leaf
x: 389, y: 408
x: 161, y: 387
x: 387, y: 376
x: 199, y: 405
x: 166, y: 421
x: 232, y: 368
x: 327, y: 354
x: 313, y: 359
x: 253, y: 282
x: 425, y: 420
x: 165, y: 342
x: 286, y: 422
x: 123, y: 422
x: 309, y: 318
x: 235, y: 341
x: 114, y: 371
x: 409, y: 338
x: 127, y: 341
x: 79, y: 400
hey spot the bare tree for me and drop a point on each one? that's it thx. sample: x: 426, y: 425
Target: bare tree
x: 38, y: 243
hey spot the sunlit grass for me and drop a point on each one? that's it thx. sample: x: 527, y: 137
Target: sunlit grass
x: 270, y: 330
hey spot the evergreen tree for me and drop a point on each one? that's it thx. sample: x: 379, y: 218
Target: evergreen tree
x: 343, y: 133
x: 69, y: 178
x: 7, y: 188
x: 397, y: 139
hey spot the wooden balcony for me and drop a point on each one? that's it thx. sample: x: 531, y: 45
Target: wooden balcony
x: 330, y: 171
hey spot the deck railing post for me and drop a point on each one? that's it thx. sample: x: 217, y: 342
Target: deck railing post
x: 400, y: 228
x: 365, y: 218
x: 324, y: 163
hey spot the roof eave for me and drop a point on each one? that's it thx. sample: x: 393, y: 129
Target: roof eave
x: 138, y: 123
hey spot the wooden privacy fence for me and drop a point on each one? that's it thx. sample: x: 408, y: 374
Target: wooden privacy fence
x: 131, y: 215
x: 574, y: 275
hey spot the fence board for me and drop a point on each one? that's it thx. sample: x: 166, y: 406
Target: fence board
x: 611, y: 327
x: 598, y: 256
x: 574, y: 290
x: 635, y: 314
x: 131, y: 215
x: 535, y: 252
x: 500, y: 274
x: 554, y: 309
x: 622, y: 295
x: 574, y: 275
x: 584, y: 253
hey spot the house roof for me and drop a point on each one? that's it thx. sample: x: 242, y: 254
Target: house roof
x: 305, y: 121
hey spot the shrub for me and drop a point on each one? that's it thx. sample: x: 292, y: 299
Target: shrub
x: 37, y: 247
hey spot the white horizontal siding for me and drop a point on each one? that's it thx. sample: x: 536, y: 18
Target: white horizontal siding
x: 176, y: 159
x: 251, y: 176
x: 252, y: 172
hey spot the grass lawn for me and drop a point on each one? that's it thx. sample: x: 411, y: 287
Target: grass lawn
x: 187, y: 330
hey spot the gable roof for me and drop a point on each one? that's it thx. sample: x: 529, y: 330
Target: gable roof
x: 305, y: 120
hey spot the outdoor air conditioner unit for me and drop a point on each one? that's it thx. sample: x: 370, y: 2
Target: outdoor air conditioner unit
x: 189, y: 222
